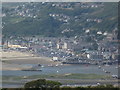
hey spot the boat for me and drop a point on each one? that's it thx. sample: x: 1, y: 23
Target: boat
x: 114, y: 76
x: 31, y: 70
x: 99, y: 67
x: 39, y: 65
x: 50, y: 65
x: 107, y: 65
x: 61, y: 64
x: 56, y: 65
x: 57, y: 71
x: 42, y: 66
x: 107, y: 72
x: 25, y: 77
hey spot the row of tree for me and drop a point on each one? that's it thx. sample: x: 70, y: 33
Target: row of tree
x: 42, y: 84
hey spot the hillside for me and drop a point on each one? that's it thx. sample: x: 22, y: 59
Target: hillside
x: 58, y: 19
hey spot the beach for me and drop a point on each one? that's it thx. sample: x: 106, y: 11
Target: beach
x: 13, y: 60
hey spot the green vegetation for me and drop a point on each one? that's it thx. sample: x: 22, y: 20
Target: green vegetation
x: 63, y: 78
x: 72, y: 76
x: 60, y: 76
x: 48, y: 26
x: 42, y: 83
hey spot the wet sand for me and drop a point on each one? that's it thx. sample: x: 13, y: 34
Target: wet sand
x: 13, y: 60
x: 7, y: 66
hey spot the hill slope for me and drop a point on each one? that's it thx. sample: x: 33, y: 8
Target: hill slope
x: 58, y: 19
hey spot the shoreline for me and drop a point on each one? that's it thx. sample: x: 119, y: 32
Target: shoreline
x: 13, y: 60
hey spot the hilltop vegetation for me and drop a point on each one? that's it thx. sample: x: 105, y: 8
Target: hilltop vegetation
x: 58, y: 19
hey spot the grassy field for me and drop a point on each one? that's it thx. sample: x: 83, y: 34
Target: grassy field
x: 58, y: 76
x: 65, y: 79
x: 70, y: 76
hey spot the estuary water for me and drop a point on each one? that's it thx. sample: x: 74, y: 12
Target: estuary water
x: 63, y: 69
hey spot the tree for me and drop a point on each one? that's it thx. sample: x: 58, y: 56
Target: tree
x: 42, y: 83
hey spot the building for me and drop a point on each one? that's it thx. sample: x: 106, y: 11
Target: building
x: 65, y: 46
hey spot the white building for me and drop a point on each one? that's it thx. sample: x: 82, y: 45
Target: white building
x: 64, y: 46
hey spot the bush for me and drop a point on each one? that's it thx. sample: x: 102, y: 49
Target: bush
x: 53, y: 84
x: 42, y: 83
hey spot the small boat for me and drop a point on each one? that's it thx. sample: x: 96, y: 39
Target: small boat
x: 114, y: 76
x: 99, y: 67
x: 57, y: 71
x: 107, y: 65
x: 42, y: 66
x: 61, y: 64
x: 24, y: 77
x: 56, y: 65
x: 50, y: 65
x: 107, y: 72
x: 39, y: 65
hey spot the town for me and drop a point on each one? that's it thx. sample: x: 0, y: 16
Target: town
x: 74, y: 42
x: 74, y: 50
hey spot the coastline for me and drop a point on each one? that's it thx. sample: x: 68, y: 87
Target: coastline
x: 13, y: 60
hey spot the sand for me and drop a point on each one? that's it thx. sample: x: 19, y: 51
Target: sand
x: 14, y: 60
x: 6, y: 66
